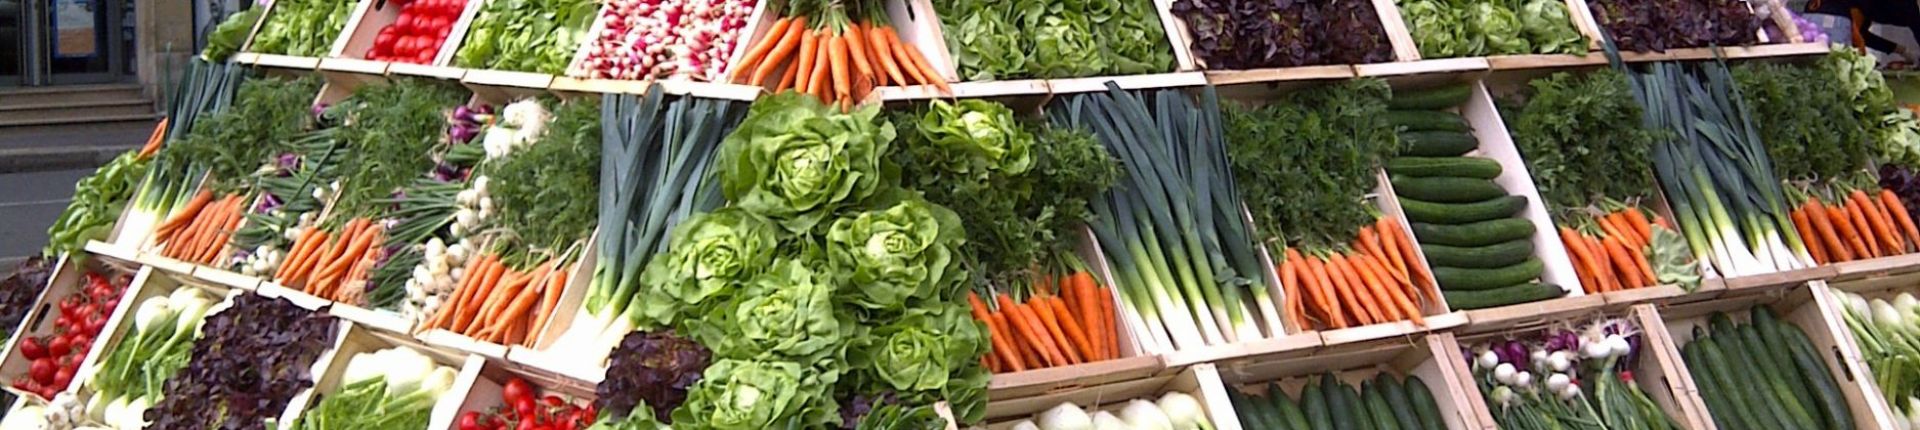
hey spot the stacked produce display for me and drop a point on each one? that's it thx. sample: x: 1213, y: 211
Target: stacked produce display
x: 750, y: 238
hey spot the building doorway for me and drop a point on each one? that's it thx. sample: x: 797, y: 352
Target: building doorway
x: 66, y: 42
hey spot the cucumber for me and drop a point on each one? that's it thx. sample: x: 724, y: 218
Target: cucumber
x: 1437, y: 143
x: 1753, y: 403
x: 1832, y: 404
x: 1480, y: 257
x: 1713, y: 395
x: 1313, y: 402
x: 1523, y: 293
x: 1458, y: 278
x: 1781, y: 354
x: 1356, y: 408
x: 1774, y: 376
x: 1423, y: 404
x: 1433, y: 98
x: 1396, y: 395
x: 1377, y: 408
x: 1428, y: 120
x: 1462, y: 213
x: 1446, y: 189
x: 1290, y: 414
x: 1243, y: 409
x: 1481, y: 233
x: 1460, y: 167
x: 1264, y: 412
x: 1342, y: 410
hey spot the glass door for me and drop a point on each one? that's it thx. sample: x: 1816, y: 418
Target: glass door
x: 64, y: 42
x: 13, y: 44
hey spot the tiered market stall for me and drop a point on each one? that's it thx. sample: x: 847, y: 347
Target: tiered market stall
x: 737, y: 214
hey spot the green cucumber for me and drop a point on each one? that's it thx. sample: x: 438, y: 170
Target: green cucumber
x: 1423, y: 404
x: 1459, y: 167
x: 1243, y: 409
x: 1437, y: 143
x: 1781, y: 353
x: 1427, y: 120
x: 1377, y: 408
x: 1480, y: 257
x: 1446, y: 189
x: 1523, y: 293
x: 1481, y: 233
x: 1713, y: 395
x: 1337, y: 403
x: 1313, y: 402
x: 1462, y: 213
x: 1460, y: 278
x: 1751, y: 402
x: 1357, y: 408
x: 1774, y: 376
x: 1396, y: 395
x: 1290, y: 414
x: 1433, y: 98
x: 1832, y: 404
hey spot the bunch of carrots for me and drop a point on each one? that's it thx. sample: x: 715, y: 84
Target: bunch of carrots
x: 1614, y: 256
x: 825, y: 53
x: 332, y: 266
x: 199, y: 231
x: 1378, y: 280
x: 1858, y: 225
x: 498, y: 304
x: 1064, y: 322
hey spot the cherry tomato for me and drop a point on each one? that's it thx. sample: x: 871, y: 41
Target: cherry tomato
x: 58, y: 347
x: 515, y: 390
x: 470, y: 421
x: 523, y: 408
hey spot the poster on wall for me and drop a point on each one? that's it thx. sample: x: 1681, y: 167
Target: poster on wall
x: 73, y: 24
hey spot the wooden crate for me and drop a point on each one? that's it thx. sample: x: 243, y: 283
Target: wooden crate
x: 370, y: 16
x: 147, y: 284
x: 1659, y: 373
x: 1432, y: 358
x: 1201, y: 381
x: 1136, y: 361
x: 1884, y: 288
x: 1812, y: 308
x: 483, y: 393
x: 352, y: 340
x: 69, y: 278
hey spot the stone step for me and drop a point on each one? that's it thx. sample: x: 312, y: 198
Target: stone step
x: 36, y: 96
x: 77, y: 112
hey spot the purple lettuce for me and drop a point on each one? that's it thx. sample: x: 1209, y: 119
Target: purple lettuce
x: 651, y: 368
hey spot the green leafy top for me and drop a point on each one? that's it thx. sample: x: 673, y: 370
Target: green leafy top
x: 546, y: 194
x: 796, y: 161
x: 1582, y: 140
x: 1006, y: 39
x: 1019, y: 215
x: 785, y: 313
x: 303, y: 28
x: 1807, y: 121
x: 1305, y: 162
x: 390, y: 130
x: 537, y: 36
x: 267, y: 114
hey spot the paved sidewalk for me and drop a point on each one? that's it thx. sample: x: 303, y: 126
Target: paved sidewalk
x: 55, y: 147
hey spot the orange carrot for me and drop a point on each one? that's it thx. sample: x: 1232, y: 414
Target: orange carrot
x: 837, y: 55
x: 515, y: 312
x: 1582, y: 261
x: 1394, y: 297
x: 1628, y: 235
x: 996, y: 334
x: 1418, y: 268
x: 1608, y: 228
x: 1371, y: 245
x: 1861, y: 226
x: 1373, y: 288
x: 1398, y: 262
x: 760, y: 50
x: 1604, y: 262
x: 787, y: 76
x: 1078, y: 336
x: 1089, y: 305
x: 354, y: 249
x: 857, y: 49
x: 1899, y: 214
x: 1885, y: 213
x: 809, y: 49
x: 155, y: 140
x: 1640, y: 225
x: 549, y: 298
x: 1026, y: 352
x: 883, y: 54
x: 1109, y: 321
x: 469, y: 304
x: 1290, y: 287
x: 1627, y: 272
x: 1844, y: 227
x: 1363, y: 303
x: 796, y: 30
x: 1804, y: 226
x: 1823, y: 226
x: 300, y: 244
x: 1639, y: 260
x: 1029, y: 326
x: 901, y: 58
x: 1882, y: 232
x: 821, y: 81
x: 184, y: 215
x: 1329, y: 299
x: 309, y: 258
x: 916, y: 61
x: 1042, y: 309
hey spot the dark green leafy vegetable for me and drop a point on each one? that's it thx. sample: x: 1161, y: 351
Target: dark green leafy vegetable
x: 390, y: 130
x: 537, y: 36
x: 545, y: 194
x: 1010, y: 39
x: 1230, y: 35
x: 304, y: 28
x: 1806, y: 119
x: 1306, y: 161
x: 227, y: 37
x: 1444, y: 29
x: 1581, y: 137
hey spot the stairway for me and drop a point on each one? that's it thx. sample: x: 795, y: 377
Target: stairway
x: 74, y: 104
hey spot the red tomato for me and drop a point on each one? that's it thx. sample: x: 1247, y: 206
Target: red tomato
x: 426, y: 55
x: 31, y: 348
x: 516, y: 390
x: 62, y: 377
x: 42, y: 371
x: 470, y: 421
x: 58, y: 347
x: 405, y: 23
x: 523, y: 408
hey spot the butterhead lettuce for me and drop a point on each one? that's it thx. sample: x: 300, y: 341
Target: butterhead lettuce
x: 796, y: 161
x: 893, y: 254
x: 747, y: 394
x: 709, y: 252
x: 786, y: 312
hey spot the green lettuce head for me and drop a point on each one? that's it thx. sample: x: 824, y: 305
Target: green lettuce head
x: 708, y: 252
x: 1434, y: 28
x: 753, y: 395
x: 982, y: 136
x: 795, y: 161
x: 921, y: 351
x: 898, y: 253
x: 1550, y: 28
x: 1500, y: 28
x: 786, y: 312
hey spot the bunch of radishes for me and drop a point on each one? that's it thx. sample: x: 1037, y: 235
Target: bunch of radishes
x: 663, y: 38
x: 417, y: 35
x: 440, y: 269
x: 56, y: 357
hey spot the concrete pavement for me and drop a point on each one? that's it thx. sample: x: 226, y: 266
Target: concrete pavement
x: 38, y: 168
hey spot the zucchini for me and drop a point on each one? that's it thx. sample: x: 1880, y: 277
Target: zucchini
x: 1528, y: 292
x: 1474, y: 234
x: 1432, y: 99
x: 1437, y: 143
x: 1460, y: 167
x: 1819, y: 380
x: 1774, y: 376
x: 1396, y: 396
x: 1462, y: 213
x: 1428, y: 120
x: 1337, y: 403
x: 1446, y: 189
x: 1291, y: 417
x: 1423, y: 404
x: 1458, y: 278
x: 1377, y: 408
x: 1497, y: 255
x: 1313, y: 402
x: 1713, y: 395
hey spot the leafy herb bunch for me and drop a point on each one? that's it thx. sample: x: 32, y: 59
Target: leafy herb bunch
x: 268, y: 112
x: 1018, y: 39
x: 1306, y: 161
x: 546, y: 195
x: 1582, y: 140
x: 390, y: 132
